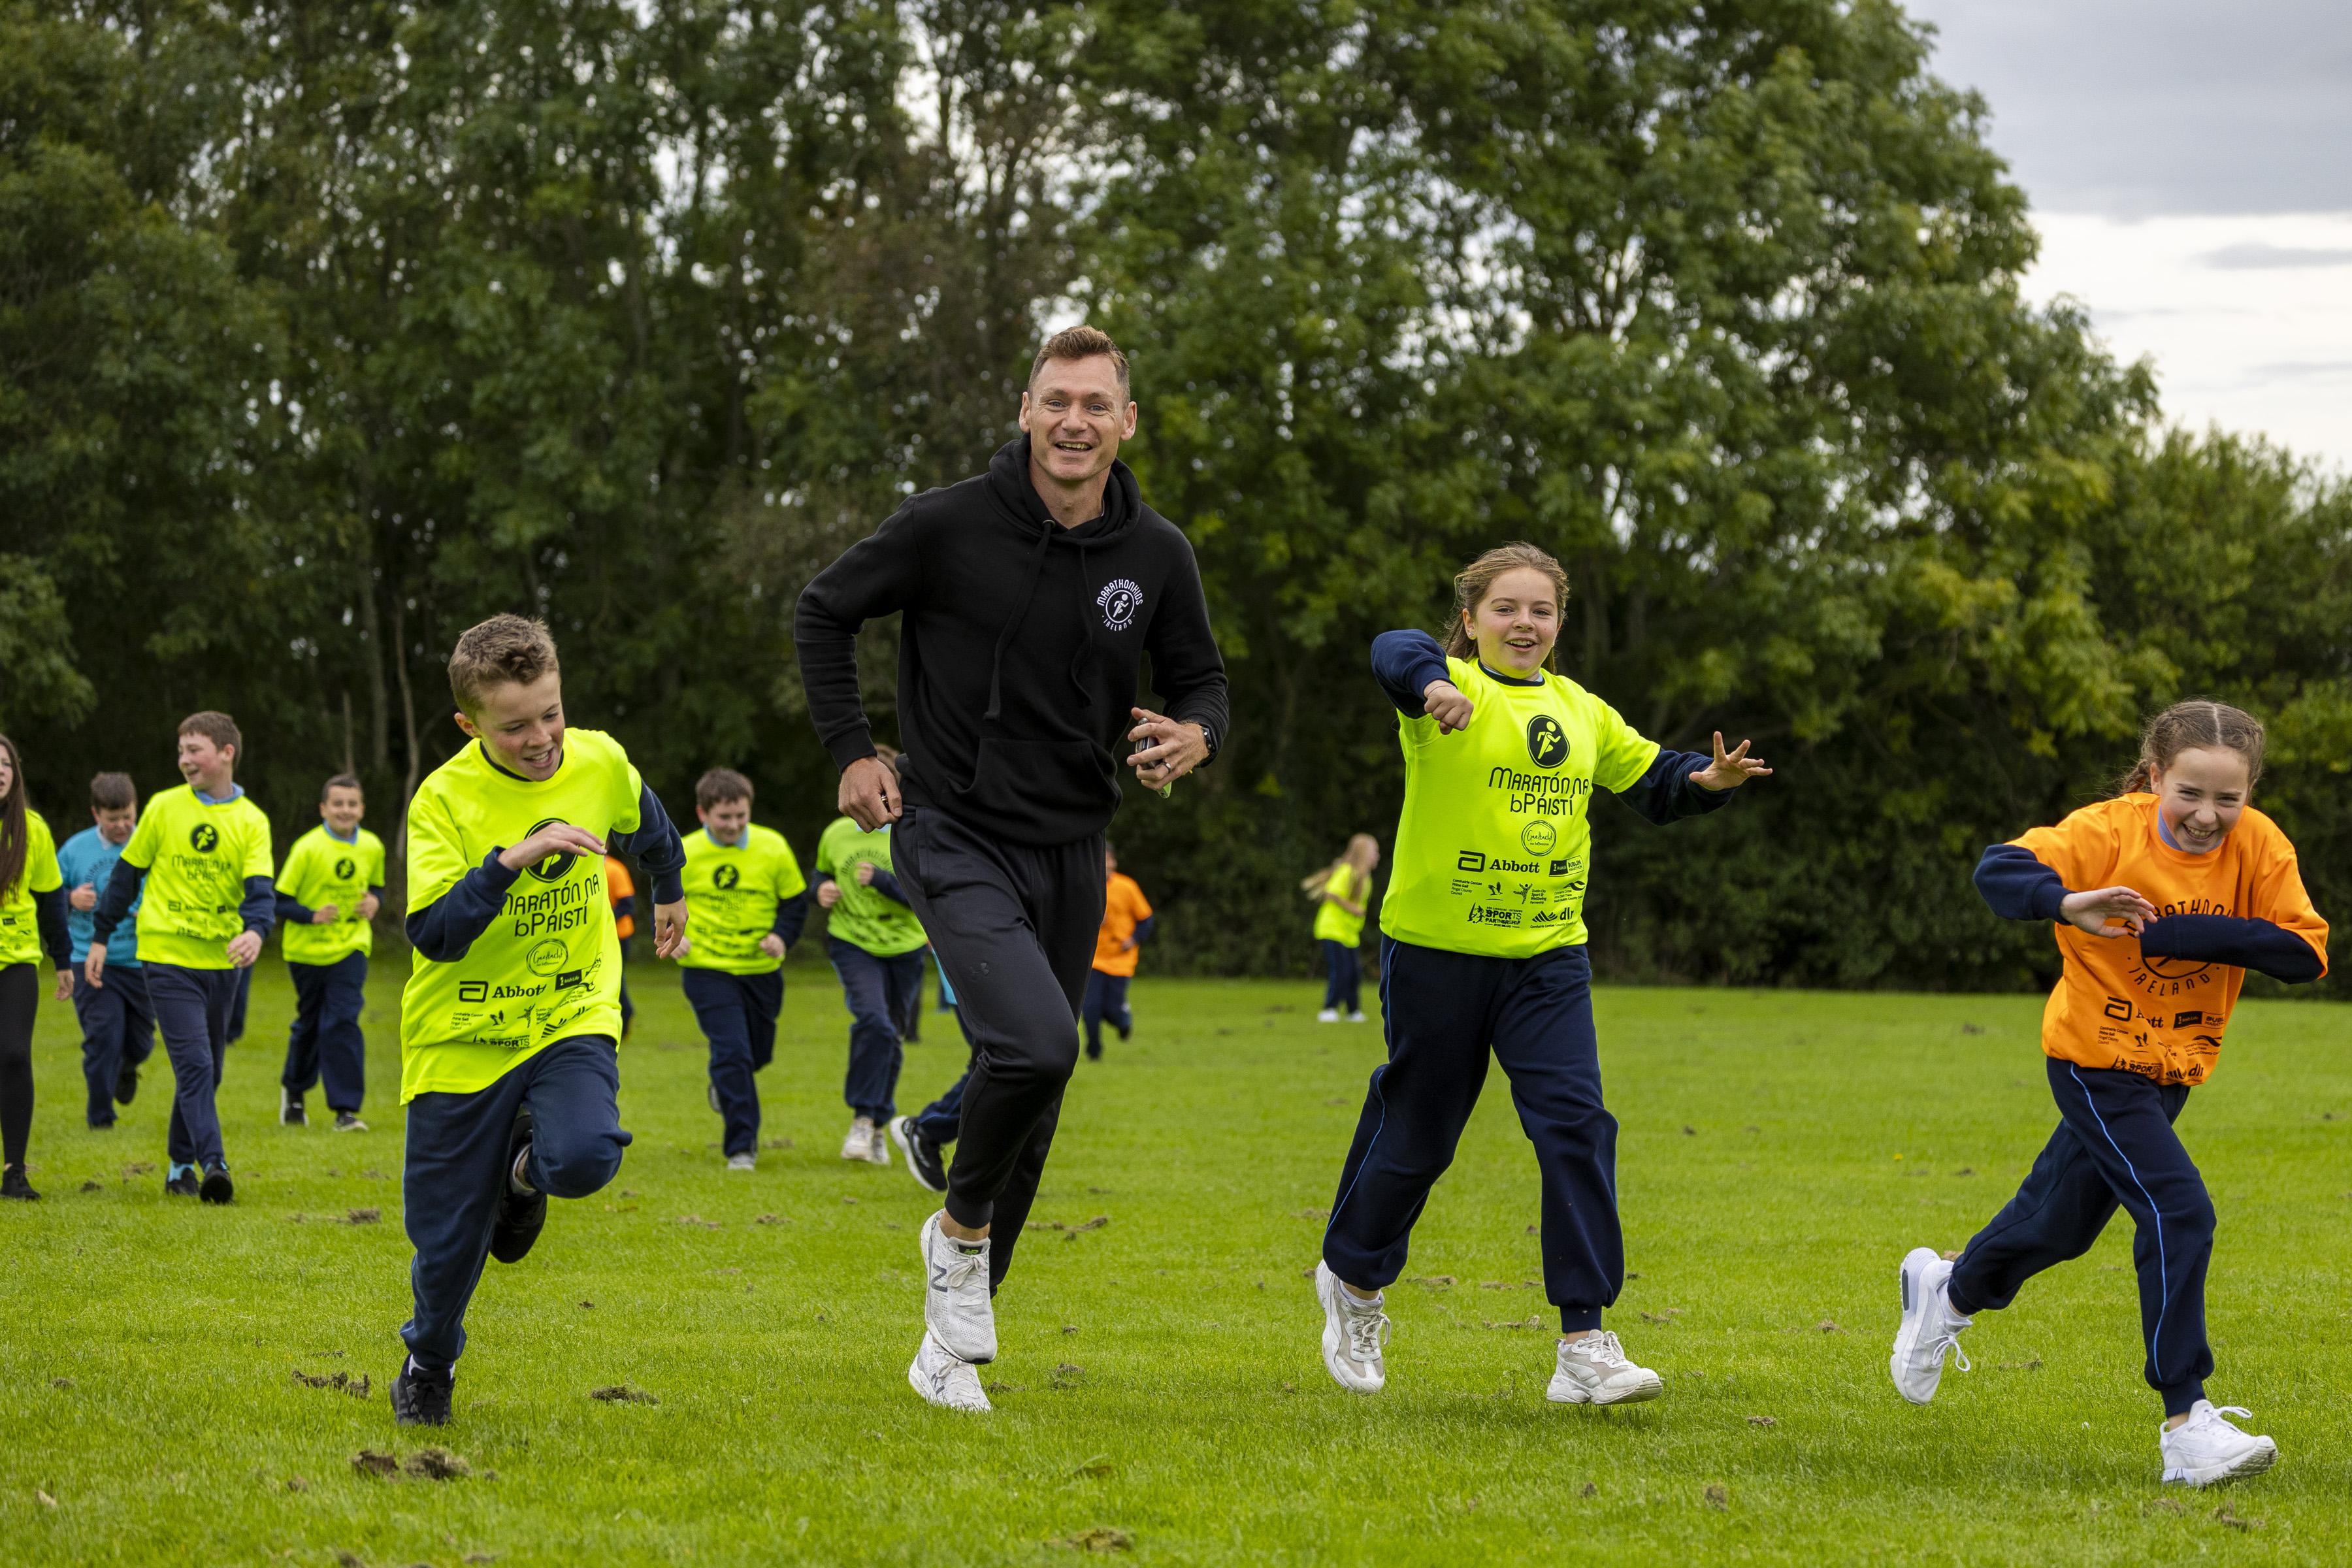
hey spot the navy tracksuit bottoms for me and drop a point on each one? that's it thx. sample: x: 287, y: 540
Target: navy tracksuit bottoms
x: 118, y: 1029
x: 877, y: 991
x: 325, y: 1041
x: 2114, y: 1144
x: 1342, y: 988
x: 738, y: 1014
x: 1443, y: 1012
x: 192, y: 1007
x: 1106, y: 998
x: 458, y: 1149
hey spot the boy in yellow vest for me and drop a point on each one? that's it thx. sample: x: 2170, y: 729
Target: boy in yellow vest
x: 508, y: 1060
x: 328, y: 893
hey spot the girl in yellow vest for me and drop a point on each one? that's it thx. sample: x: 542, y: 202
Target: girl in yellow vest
x: 2161, y: 898
x: 1342, y: 891
x: 1482, y: 948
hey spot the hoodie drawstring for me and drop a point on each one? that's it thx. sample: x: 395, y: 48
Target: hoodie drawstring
x: 1084, y: 656
x: 1004, y: 637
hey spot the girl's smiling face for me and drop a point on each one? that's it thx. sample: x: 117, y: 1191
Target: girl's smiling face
x: 2200, y: 795
x: 1517, y: 622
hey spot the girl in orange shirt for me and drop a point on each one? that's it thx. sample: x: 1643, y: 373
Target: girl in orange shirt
x: 2163, y: 898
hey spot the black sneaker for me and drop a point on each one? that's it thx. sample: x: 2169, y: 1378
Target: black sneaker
x: 98, y: 1126
x: 349, y: 1121
x: 186, y: 1184
x: 1094, y: 1053
x: 289, y: 1109
x: 216, y: 1188
x: 1126, y: 1030
x: 521, y: 1215
x: 420, y: 1398
x: 923, y: 1161
x: 126, y: 1084
x: 13, y: 1184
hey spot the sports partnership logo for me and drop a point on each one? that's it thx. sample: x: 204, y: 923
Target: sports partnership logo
x: 556, y: 867
x: 1119, y: 602
x: 1547, y: 742
x: 346, y: 868
x: 204, y: 838
x: 726, y: 877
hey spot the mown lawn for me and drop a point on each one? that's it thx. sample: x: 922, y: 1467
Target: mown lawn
x: 1160, y: 1384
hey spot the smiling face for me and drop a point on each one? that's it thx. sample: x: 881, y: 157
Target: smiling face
x: 1517, y: 622
x: 1076, y: 413
x: 726, y: 820
x: 208, y: 767
x: 342, y: 809
x: 2202, y: 795
x: 8, y: 769
x: 522, y: 725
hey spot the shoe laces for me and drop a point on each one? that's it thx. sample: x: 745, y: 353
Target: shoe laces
x: 1367, y: 1329
x: 2218, y: 1414
x: 1601, y: 1349
x: 962, y: 1268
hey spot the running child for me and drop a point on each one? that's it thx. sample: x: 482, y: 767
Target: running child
x: 328, y: 893
x: 1484, y: 949
x: 876, y: 946
x: 923, y: 1138
x: 1342, y: 891
x: 118, y: 1027
x: 2162, y: 898
x: 32, y: 921
x: 201, y: 854
x: 508, y: 1060
x: 749, y: 901
x: 1126, y: 927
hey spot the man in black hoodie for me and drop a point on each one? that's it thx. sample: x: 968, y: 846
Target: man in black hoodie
x: 1028, y: 593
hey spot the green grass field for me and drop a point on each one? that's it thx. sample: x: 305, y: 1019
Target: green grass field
x: 1160, y: 1377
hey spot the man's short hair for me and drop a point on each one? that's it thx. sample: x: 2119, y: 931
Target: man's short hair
x: 1079, y: 343
x: 112, y: 792
x: 218, y: 728
x: 720, y: 785
x: 341, y: 781
x: 502, y: 649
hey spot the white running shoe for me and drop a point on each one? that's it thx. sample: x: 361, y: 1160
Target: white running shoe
x: 2207, y: 1448
x: 742, y: 1162
x: 859, y: 1144
x: 1928, y: 1329
x: 1328, y: 1015
x: 946, y: 1379
x: 1355, y: 1018
x: 1354, y: 1332
x: 877, y: 1145
x: 1594, y: 1371
x: 956, y: 1307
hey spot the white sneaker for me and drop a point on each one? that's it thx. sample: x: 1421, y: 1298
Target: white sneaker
x: 1328, y: 1015
x: 859, y: 1144
x: 946, y: 1379
x: 1928, y: 1329
x: 877, y: 1145
x: 742, y: 1162
x: 1355, y: 1018
x: 956, y: 1307
x: 1594, y: 1371
x: 1353, y: 1333
x: 2207, y: 1448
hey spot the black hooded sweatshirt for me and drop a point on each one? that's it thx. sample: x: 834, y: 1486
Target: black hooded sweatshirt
x: 1018, y: 649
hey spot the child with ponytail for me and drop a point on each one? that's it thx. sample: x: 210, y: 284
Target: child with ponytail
x: 1342, y: 891
x: 2162, y: 899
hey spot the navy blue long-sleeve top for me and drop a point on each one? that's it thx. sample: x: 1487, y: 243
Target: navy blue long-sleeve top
x: 2017, y: 886
x: 258, y: 909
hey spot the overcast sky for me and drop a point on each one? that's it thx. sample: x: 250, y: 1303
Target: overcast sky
x: 2190, y: 163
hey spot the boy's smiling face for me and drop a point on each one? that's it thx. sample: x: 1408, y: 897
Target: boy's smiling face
x: 726, y: 820
x: 522, y: 725
x: 2202, y: 795
x: 208, y: 767
x: 342, y: 809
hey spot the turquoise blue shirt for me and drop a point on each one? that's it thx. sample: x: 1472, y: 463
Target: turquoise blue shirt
x: 86, y: 857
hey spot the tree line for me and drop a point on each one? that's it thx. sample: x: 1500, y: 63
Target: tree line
x: 327, y: 329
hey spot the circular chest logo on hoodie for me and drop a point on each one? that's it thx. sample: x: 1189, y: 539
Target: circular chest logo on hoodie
x: 1119, y: 602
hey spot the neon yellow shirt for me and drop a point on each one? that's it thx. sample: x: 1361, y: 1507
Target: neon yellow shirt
x: 1494, y: 845
x: 321, y: 869
x: 20, y: 931
x: 197, y: 856
x: 549, y: 967
x: 731, y: 894
x: 1333, y: 924
x: 864, y: 918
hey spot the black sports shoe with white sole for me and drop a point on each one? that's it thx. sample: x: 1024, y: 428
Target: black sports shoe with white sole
x: 521, y: 1216
x: 420, y: 1398
x: 923, y: 1161
x: 184, y: 1185
x: 216, y: 1188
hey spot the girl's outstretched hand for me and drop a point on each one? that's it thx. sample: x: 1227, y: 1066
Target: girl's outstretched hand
x: 1730, y: 769
x: 2093, y: 910
x: 1444, y: 702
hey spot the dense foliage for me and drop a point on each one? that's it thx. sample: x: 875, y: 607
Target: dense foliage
x: 327, y: 328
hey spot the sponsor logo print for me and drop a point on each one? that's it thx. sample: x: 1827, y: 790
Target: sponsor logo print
x: 726, y: 877
x: 567, y: 980
x: 2187, y: 1020
x: 346, y: 868
x: 1547, y: 742
x: 555, y: 868
x: 1538, y: 838
x: 2118, y: 1008
x: 1487, y: 915
x: 1119, y: 602
x: 1470, y: 860
x: 1559, y: 869
x: 545, y: 957
x: 473, y: 991
x: 204, y: 838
